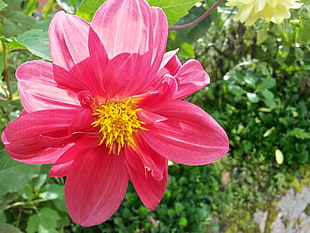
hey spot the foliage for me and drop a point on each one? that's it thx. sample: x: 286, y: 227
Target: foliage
x: 259, y: 93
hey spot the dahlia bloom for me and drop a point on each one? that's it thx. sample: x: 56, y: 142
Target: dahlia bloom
x: 270, y: 10
x: 109, y: 109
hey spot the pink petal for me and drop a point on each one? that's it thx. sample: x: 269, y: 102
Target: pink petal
x: 48, y: 156
x: 82, y: 121
x: 22, y: 137
x: 68, y: 36
x: 160, y: 34
x: 62, y: 166
x: 141, y: 77
x: 148, y: 172
x: 67, y: 80
x: 122, y: 76
x: 98, y: 60
x: 117, y: 74
x: 131, y: 26
x: 170, y: 63
x: 96, y: 48
x: 189, y: 136
x: 38, y: 89
x: 191, y: 78
x: 95, y: 186
x: 60, y: 170
x: 165, y: 91
x: 150, y: 117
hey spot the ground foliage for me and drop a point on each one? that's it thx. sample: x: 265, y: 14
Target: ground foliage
x: 259, y: 93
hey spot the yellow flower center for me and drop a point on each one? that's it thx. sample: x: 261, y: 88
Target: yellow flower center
x: 117, y: 121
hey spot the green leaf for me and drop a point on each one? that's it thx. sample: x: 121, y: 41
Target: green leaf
x: 12, y: 5
x: 267, y: 83
x: 36, y: 41
x: 302, y: 34
x: 252, y: 97
x: 52, y: 191
x: 251, y: 80
x: 14, y: 175
x: 2, y: 5
x: 44, y: 221
x: 300, y: 133
x: 262, y: 36
x: 43, y: 24
x: 236, y: 90
x: 16, y: 23
x: 12, y: 44
x: 174, y: 9
x: 8, y: 228
x: 299, y: 53
x: 267, y: 94
x: 183, y: 221
x: 88, y: 8
x: 269, y: 98
x: 187, y: 50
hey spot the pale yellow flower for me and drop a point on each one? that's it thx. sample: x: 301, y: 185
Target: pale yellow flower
x: 270, y: 10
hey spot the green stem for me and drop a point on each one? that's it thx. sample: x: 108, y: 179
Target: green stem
x: 6, y: 72
x: 21, y: 203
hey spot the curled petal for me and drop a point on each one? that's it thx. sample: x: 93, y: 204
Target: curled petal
x: 191, y: 77
x: 95, y: 186
x: 38, y: 89
x: 190, y: 136
x: 170, y: 64
x: 166, y: 91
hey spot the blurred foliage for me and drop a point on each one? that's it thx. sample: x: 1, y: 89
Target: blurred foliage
x: 259, y: 92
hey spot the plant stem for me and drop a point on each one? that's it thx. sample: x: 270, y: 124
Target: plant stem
x: 24, y: 204
x: 6, y: 71
x: 202, y: 17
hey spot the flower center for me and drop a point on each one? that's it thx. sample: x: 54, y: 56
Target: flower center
x: 117, y: 122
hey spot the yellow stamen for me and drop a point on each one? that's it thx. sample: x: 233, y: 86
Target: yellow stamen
x: 117, y: 121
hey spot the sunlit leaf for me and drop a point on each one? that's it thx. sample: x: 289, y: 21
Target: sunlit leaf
x: 279, y: 156
x: 268, y: 132
x: 252, y: 97
x: 52, y: 191
x: 88, y: 8
x: 174, y: 9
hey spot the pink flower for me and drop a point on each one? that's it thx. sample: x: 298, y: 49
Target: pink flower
x: 109, y: 109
